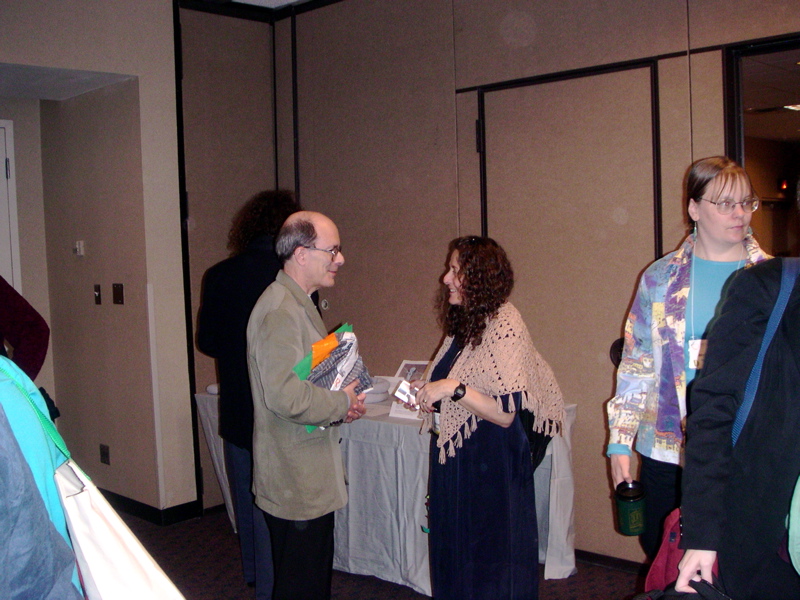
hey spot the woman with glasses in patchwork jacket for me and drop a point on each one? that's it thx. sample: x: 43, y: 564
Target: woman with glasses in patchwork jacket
x: 665, y: 334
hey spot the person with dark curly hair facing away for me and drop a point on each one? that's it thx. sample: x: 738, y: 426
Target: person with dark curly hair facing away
x: 230, y: 291
x: 483, y: 535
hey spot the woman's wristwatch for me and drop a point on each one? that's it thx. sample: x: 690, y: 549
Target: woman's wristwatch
x: 459, y: 392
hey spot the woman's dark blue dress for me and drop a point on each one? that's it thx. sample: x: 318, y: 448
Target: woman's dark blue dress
x: 483, y: 535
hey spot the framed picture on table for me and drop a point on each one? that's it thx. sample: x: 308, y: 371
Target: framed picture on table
x: 413, y: 369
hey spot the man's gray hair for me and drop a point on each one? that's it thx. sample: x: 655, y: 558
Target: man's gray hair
x: 292, y: 236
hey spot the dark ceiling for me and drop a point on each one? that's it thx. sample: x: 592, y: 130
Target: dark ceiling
x: 771, y: 82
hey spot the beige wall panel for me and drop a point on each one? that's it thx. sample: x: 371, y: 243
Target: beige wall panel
x: 377, y: 153
x: 283, y: 103
x: 676, y: 146
x: 30, y: 208
x: 227, y: 102
x: 469, y: 184
x: 715, y: 22
x: 93, y: 192
x: 570, y: 198
x: 510, y: 39
x: 229, y: 150
x: 134, y: 38
x: 708, y: 113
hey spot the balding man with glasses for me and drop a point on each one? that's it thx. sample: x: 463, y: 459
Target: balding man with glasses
x: 298, y: 477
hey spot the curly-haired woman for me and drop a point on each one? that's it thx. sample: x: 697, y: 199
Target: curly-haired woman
x: 483, y: 538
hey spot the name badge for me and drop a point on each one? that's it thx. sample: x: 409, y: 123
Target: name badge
x: 697, y: 353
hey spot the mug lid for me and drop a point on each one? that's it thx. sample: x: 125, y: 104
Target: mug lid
x: 630, y: 490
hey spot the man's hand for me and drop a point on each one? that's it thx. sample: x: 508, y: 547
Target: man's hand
x: 357, y: 408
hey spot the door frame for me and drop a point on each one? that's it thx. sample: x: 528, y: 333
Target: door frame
x: 9, y: 220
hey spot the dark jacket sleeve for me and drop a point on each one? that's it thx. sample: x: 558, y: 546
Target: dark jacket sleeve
x: 210, y: 316
x: 24, y: 329
x: 714, y: 398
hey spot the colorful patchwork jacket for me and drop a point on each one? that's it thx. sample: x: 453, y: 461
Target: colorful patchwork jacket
x: 650, y: 401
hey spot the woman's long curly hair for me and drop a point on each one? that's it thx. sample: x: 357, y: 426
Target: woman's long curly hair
x: 486, y: 283
x: 263, y: 214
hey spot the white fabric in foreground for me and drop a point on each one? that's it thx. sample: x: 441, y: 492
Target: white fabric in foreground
x: 112, y: 562
x: 555, y: 498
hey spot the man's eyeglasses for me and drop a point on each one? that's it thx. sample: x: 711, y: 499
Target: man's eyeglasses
x: 334, y: 252
x: 725, y: 207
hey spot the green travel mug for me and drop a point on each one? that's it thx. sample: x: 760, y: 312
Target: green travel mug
x: 630, y: 507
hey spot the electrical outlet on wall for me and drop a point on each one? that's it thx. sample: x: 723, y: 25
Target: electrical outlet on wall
x: 117, y: 293
x: 105, y: 455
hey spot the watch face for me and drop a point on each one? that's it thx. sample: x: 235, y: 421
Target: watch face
x: 459, y: 392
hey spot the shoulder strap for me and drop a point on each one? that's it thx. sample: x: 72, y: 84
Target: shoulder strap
x: 789, y: 271
x: 45, y: 421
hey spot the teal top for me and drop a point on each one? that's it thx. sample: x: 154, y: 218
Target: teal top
x: 39, y: 450
x: 704, y: 296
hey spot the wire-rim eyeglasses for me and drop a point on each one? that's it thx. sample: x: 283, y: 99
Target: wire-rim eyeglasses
x: 725, y: 207
x: 334, y: 252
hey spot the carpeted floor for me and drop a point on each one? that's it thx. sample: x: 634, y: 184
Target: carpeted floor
x: 202, y: 558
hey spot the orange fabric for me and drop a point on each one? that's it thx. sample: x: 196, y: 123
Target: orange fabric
x: 321, y: 350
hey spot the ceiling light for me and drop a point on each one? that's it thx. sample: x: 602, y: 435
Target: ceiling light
x: 792, y: 107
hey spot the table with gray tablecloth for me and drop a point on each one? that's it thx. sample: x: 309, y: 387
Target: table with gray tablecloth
x: 380, y: 531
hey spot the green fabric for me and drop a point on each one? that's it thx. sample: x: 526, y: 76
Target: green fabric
x: 47, y: 424
x: 303, y: 368
x: 794, y: 527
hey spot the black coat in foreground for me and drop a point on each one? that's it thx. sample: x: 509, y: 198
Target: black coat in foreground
x: 735, y: 499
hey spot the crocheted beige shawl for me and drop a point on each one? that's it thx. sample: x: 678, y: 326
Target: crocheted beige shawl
x: 504, y: 362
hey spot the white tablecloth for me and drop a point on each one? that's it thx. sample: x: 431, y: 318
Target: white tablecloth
x: 208, y: 410
x: 380, y: 532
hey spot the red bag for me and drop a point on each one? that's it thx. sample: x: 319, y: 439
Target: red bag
x: 664, y: 569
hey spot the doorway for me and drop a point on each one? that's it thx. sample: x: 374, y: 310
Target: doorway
x: 764, y: 135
